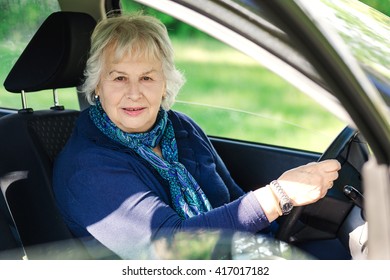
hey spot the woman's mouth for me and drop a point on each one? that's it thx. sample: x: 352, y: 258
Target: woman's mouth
x: 134, y: 111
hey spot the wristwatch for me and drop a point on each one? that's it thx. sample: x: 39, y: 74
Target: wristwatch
x: 285, y: 202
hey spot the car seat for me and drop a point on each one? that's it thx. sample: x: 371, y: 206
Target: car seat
x: 31, y: 139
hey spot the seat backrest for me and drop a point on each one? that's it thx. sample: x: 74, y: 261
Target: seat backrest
x: 30, y: 140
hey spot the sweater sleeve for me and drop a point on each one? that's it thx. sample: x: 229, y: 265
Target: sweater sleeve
x: 124, y: 210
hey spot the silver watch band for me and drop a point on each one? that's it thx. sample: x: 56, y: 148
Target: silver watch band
x: 284, y: 200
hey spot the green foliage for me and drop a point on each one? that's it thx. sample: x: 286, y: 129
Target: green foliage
x: 380, y: 5
x: 175, y: 27
x: 20, y: 18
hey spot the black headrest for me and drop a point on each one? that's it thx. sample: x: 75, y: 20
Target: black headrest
x: 56, y: 55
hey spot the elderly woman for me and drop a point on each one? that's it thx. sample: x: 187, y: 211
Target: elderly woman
x: 134, y: 170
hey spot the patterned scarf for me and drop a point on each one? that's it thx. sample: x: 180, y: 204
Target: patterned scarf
x: 188, y: 198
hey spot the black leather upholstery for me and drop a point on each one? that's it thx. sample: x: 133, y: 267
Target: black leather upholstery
x: 30, y: 140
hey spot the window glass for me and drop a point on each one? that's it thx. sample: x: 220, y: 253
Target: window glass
x: 230, y: 95
x: 19, y: 22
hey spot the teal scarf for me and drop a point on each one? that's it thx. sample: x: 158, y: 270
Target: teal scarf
x: 188, y: 199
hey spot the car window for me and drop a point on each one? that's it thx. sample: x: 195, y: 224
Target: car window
x: 19, y: 22
x: 231, y: 96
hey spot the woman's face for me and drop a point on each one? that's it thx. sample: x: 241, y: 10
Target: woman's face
x: 131, y: 92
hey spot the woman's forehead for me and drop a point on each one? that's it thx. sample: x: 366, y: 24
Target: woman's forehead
x: 130, y: 64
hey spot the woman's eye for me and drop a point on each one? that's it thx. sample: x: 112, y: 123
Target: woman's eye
x: 146, y: 78
x: 120, y: 78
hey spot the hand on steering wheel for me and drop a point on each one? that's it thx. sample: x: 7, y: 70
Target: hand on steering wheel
x: 287, y: 224
x: 308, y: 183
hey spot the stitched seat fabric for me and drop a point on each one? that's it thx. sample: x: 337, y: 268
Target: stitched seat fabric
x: 52, y: 131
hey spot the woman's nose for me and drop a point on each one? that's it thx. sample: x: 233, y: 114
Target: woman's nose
x: 133, y: 92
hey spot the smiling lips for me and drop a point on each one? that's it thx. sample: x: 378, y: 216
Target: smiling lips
x: 134, y: 111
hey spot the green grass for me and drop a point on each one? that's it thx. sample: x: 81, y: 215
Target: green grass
x: 228, y: 94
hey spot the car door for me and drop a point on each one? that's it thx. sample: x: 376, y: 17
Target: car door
x: 284, y: 39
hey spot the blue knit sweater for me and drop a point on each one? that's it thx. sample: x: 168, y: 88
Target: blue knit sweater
x: 105, y: 190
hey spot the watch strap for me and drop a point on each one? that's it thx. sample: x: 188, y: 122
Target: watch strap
x: 285, y: 203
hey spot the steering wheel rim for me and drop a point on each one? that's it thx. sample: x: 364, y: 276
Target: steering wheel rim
x: 287, y: 224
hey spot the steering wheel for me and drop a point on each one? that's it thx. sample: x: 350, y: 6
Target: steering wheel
x: 287, y: 224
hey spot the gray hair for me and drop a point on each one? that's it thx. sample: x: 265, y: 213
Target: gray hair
x: 142, y: 35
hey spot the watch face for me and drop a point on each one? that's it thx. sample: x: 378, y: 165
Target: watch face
x: 286, y: 208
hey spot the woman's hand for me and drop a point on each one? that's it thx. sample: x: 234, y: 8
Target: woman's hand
x: 304, y: 185
x: 308, y: 183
